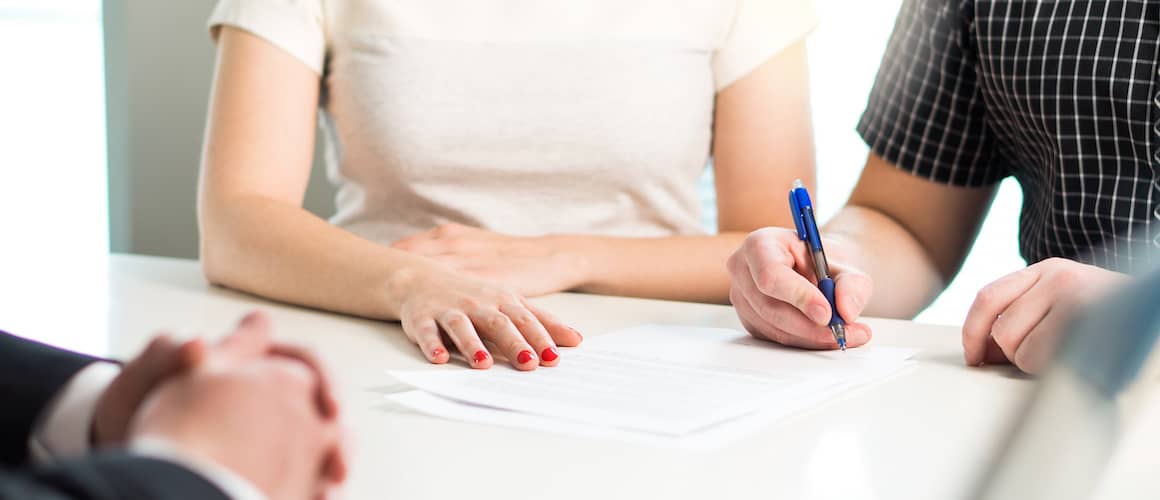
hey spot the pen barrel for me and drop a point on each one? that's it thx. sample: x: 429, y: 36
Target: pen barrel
x: 826, y: 285
x: 821, y: 266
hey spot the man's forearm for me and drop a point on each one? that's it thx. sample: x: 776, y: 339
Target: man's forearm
x: 906, y: 278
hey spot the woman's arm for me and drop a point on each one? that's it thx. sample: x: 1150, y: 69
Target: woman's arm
x: 256, y: 237
x: 763, y: 140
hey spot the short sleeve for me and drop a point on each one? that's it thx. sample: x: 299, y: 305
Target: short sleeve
x: 926, y: 113
x: 760, y: 30
x: 295, y: 26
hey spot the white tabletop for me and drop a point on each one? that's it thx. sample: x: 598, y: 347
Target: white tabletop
x: 923, y: 434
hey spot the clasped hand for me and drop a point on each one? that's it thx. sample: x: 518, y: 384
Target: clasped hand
x: 264, y: 410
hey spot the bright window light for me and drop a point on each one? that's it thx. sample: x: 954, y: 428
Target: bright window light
x: 53, y: 183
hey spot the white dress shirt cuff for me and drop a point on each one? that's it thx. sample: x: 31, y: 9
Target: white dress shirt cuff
x: 65, y: 424
x: 233, y: 485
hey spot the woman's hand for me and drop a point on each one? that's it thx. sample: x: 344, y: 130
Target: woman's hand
x: 1019, y: 317
x: 528, y: 265
x: 434, y: 302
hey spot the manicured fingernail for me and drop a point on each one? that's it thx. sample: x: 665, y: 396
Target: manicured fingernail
x: 818, y: 314
x: 437, y: 352
x: 550, y: 354
x: 480, y: 356
x: 524, y: 357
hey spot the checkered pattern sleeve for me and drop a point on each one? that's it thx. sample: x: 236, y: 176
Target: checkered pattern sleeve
x: 926, y: 113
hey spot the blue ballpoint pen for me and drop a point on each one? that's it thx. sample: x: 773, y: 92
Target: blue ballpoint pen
x: 807, y: 231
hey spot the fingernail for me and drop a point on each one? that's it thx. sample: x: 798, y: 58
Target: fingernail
x: 480, y: 356
x: 819, y: 314
x: 436, y: 353
x: 524, y: 357
x: 577, y: 332
x: 550, y: 354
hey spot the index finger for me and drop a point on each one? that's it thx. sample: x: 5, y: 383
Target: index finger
x: 772, y: 267
x: 990, y: 302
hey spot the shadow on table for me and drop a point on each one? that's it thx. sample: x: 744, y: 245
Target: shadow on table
x: 956, y: 361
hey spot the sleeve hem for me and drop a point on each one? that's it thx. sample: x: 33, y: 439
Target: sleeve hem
x: 744, y: 52
x: 926, y: 168
x: 297, y: 31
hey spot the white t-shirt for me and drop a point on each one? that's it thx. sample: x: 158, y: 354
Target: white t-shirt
x: 525, y: 117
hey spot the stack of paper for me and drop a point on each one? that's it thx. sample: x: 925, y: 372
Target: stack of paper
x: 653, y: 383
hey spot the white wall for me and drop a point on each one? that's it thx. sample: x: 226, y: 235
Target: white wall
x: 159, y: 63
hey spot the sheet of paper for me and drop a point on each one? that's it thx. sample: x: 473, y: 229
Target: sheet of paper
x: 709, y: 438
x: 662, y: 380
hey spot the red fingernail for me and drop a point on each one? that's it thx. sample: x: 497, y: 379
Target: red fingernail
x: 524, y: 357
x: 550, y: 354
x: 436, y: 353
x: 480, y: 356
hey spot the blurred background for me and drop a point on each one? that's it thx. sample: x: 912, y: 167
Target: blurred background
x: 106, y: 105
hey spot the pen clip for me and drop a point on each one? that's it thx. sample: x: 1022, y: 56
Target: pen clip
x: 796, y: 209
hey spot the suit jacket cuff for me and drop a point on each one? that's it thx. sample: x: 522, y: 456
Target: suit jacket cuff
x: 64, y: 427
x: 234, y: 485
x: 124, y: 475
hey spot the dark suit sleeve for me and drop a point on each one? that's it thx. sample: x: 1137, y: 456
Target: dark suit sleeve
x: 108, y: 476
x: 31, y: 374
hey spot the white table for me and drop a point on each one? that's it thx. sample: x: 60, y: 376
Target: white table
x: 924, y: 434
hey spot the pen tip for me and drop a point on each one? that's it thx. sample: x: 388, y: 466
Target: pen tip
x: 797, y: 184
x: 842, y: 345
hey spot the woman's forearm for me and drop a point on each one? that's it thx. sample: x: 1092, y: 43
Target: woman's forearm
x: 282, y: 252
x: 690, y: 268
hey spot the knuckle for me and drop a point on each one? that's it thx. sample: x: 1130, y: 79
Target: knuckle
x: 753, y: 241
x: 986, y: 296
x: 802, y: 296
x: 468, y: 304
x: 510, y: 298
x: 516, y: 346
x: 496, y: 322
x: 1065, y: 278
x: 426, y: 330
x: 523, y: 320
x: 766, y: 280
x: 455, y: 321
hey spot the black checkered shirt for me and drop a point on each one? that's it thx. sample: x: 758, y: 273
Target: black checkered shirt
x: 1063, y: 95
